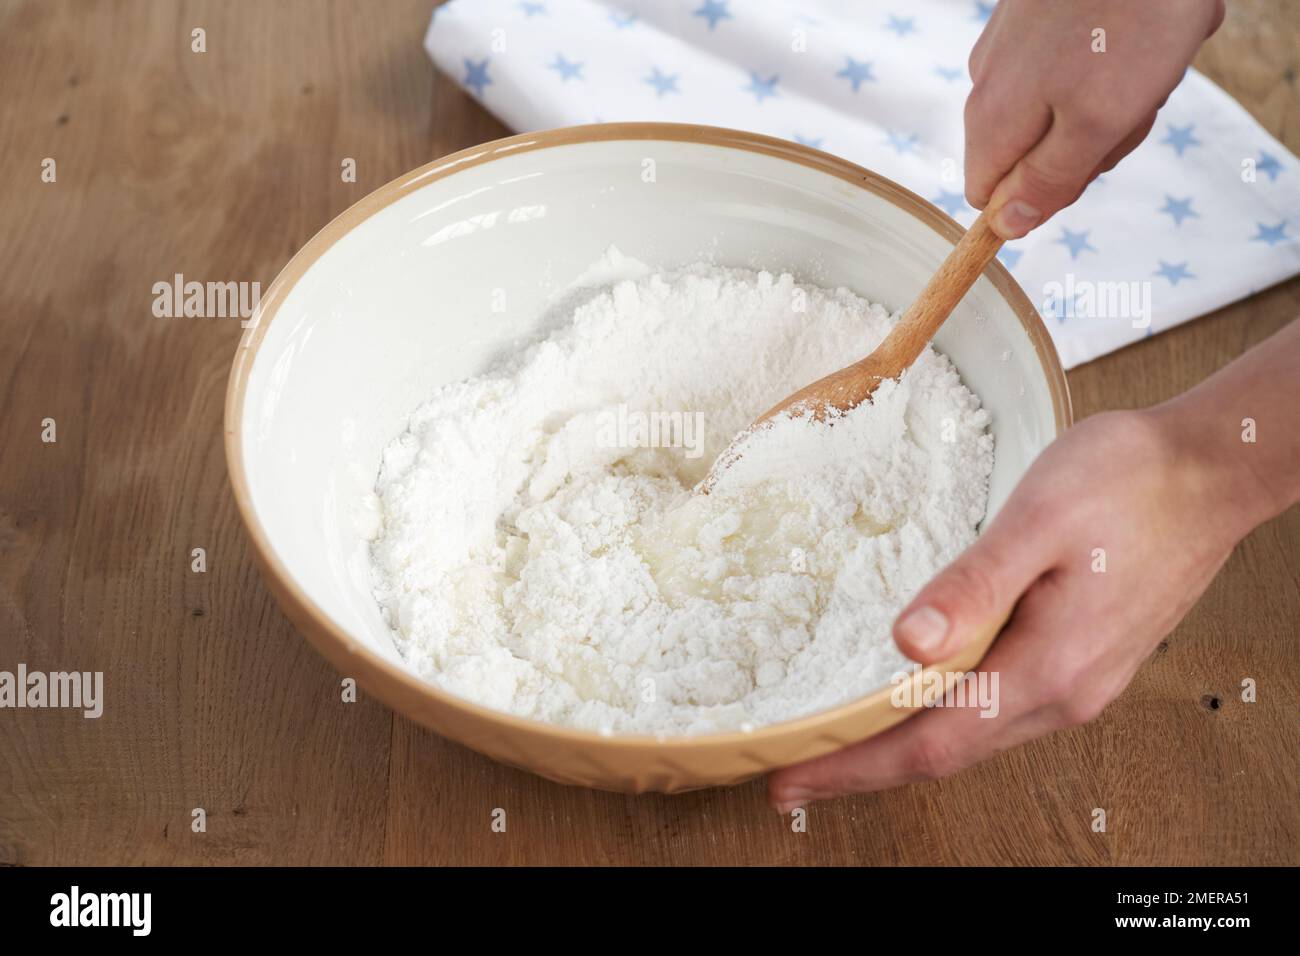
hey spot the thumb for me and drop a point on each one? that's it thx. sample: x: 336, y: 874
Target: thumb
x: 978, y: 589
x: 1049, y: 177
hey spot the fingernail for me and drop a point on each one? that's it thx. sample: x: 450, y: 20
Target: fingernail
x: 1015, y: 219
x: 793, y: 800
x: 924, y: 629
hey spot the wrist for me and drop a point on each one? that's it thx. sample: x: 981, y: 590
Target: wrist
x: 1209, y: 452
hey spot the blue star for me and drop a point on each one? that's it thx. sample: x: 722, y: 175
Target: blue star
x: 1076, y: 242
x: 760, y: 87
x: 951, y: 203
x: 1180, y: 209
x: 1010, y: 256
x: 1180, y: 137
x: 1173, y: 271
x: 814, y: 141
x: 901, y: 25
x: 567, y: 70
x: 950, y: 73
x: 984, y: 10
x: 1271, y: 234
x: 1268, y: 164
x: 902, y: 144
x: 476, y: 76
x: 857, y: 73
x: 713, y: 11
x: 663, y: 82
x: 532, y: 9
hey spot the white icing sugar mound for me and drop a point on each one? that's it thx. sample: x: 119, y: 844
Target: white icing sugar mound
x: 541, y: 550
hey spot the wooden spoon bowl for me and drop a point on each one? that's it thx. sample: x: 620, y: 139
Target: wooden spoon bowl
x: 854, y: 384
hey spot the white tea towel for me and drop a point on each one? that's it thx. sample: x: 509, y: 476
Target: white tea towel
x: 1203, y: 213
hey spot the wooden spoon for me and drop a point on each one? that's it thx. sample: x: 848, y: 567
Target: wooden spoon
x: 854, y: 384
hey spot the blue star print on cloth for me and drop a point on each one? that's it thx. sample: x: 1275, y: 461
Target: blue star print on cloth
x: 856, y: 73
x: 1204, y: 212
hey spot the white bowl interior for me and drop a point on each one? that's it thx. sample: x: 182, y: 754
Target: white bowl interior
x: 405, y: 302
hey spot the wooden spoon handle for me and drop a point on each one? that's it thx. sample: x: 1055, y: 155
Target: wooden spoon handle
x: 854, y: 384
x: 928, y: 311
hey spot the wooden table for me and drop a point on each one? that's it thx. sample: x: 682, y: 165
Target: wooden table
x: 219, y: 166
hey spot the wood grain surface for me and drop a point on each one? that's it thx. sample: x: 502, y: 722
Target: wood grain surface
x: 219, y: 166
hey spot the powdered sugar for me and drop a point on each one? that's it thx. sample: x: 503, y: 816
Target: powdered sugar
x: 541, y: 550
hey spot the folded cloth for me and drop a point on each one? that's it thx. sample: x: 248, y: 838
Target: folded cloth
x: 1204, y: 212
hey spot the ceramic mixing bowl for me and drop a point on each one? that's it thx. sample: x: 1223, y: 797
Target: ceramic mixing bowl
x: 396, y: 296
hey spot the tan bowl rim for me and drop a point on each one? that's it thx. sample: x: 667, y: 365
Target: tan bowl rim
x: 330, y: 639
